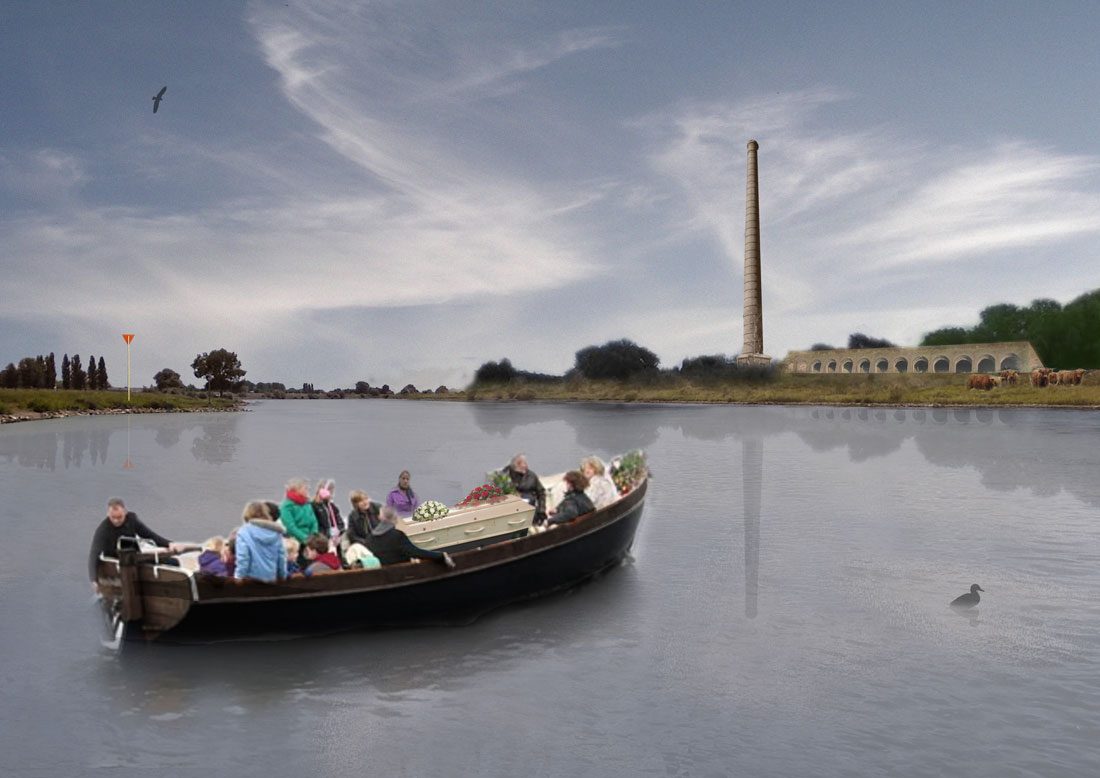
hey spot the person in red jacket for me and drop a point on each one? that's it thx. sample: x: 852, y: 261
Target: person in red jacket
x: 319, y: 557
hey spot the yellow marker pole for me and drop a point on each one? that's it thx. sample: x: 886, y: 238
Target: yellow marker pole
x: 129, y: 338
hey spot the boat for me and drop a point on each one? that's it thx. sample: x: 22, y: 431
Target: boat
x: 146, y: 598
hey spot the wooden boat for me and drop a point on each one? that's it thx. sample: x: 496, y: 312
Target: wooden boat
x: 145, y: 599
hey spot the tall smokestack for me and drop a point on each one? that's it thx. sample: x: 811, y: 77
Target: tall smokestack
x: 753, y: 349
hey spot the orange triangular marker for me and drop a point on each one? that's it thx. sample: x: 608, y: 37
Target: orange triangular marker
x: 128, y: 337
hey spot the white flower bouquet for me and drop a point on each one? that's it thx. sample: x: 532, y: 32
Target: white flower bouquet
x: 430, y: 510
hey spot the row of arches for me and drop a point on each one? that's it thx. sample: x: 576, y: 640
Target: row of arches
x: 986, y: 363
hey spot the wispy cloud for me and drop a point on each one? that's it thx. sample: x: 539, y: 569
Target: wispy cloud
x: 848, y: 212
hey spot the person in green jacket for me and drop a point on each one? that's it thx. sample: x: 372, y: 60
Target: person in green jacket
x: 295, y: 511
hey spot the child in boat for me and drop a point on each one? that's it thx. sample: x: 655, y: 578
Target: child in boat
x: 296, y: 512
x: 329, y: 521
x: 319, y: 559
x: 293, y: 550
x: 261, y: 554
x: 217, y: 557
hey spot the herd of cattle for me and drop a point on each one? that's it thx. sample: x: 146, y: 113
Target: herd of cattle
x: 1044, y: 376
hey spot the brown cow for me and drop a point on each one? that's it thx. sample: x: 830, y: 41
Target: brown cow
x: 1054, y: 378
x: 1038, y: 378
x: 1010, y: 376
x: 978, y: 381
x: 1067, y: 377
x: 1078, y: 376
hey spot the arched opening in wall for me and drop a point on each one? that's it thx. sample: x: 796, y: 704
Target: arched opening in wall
x: 941, y: 365
x: 817, y: 367
x: 865, y: 366
x: 964, y: 365
x: 832, y: 366
x: 920, y: 365
x: 1011, y: 362
x: 881, y: 366
x: 847, y: 366
x: 987, y: 364
x: 902, y: 365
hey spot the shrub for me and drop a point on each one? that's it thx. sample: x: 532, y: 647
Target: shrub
x: 616, y: 359
x: 495, y: 372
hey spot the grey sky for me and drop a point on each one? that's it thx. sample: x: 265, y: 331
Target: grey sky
x: 400, y: 191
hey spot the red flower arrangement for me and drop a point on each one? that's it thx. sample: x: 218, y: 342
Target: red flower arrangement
x: 483, y: 493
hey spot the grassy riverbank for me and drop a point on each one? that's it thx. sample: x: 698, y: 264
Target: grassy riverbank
x: 786, y: 389
x: 37, y: 403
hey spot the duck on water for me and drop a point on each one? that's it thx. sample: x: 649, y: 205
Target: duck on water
x: 968, y: 600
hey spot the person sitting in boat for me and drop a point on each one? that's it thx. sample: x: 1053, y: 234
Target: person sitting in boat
x: 362, y: 519
x: 329, y: 521
x: 293, y: 549
x: 392, y: 546
x: 601, y: 489
x: 319, y: 557
x: 527, y: 485
x: 402, y: 498
x: 295, y: 511
x: 576, y: 502
x: 261, y: 554
x: 217, y: 557
x: 118, y: 524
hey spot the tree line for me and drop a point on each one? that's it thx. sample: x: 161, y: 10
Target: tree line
x: 40, y: 372
x: 625, y: 360
x: 1067, y: 335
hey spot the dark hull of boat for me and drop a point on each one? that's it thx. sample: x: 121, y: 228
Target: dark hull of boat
x: 399, y: 595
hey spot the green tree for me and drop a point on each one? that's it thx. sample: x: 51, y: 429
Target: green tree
x: 66, y: 373
x: 93, y: 373
x: 102, y: 373
x: 495, y: 372
x: 617, y: 359
x: 220, y: 368
x: 9, y: 377
x: 79, y: 377
x: 167, y: 378
x: 51, y: 372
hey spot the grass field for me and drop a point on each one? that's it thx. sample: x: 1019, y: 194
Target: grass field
x: 890, y: 389
x: 19, y: 402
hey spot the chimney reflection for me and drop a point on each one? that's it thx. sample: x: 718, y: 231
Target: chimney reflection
x: 752, y: 481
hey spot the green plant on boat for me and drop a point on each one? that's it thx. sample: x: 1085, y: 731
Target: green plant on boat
x: 628, y: 470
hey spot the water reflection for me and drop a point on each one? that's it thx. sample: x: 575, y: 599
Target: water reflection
x: 161, y: 679
x: 86, y: 441
x: 752, y: 480
x: 1046, y: 451
x: 218, y: 442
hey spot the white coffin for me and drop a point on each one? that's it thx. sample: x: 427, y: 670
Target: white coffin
x: 470, y: 527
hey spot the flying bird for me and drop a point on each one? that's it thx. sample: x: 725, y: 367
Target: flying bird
x: 158, y: 97
x: 968, y: 600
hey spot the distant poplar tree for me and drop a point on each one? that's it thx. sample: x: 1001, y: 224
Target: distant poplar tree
x: 51, y: 372
x: 66, y: 373
x: 93, y: 373
x: 9, y: 377
x: 79, y: 377
x: 40, y: 372
x: 102, y: 373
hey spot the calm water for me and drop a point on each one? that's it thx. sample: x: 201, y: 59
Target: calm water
x: 784, y: 613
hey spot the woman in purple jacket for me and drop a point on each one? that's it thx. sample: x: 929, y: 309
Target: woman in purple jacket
x: 403, y: 499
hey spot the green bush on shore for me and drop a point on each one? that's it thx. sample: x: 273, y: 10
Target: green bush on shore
x: 15, y: 401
